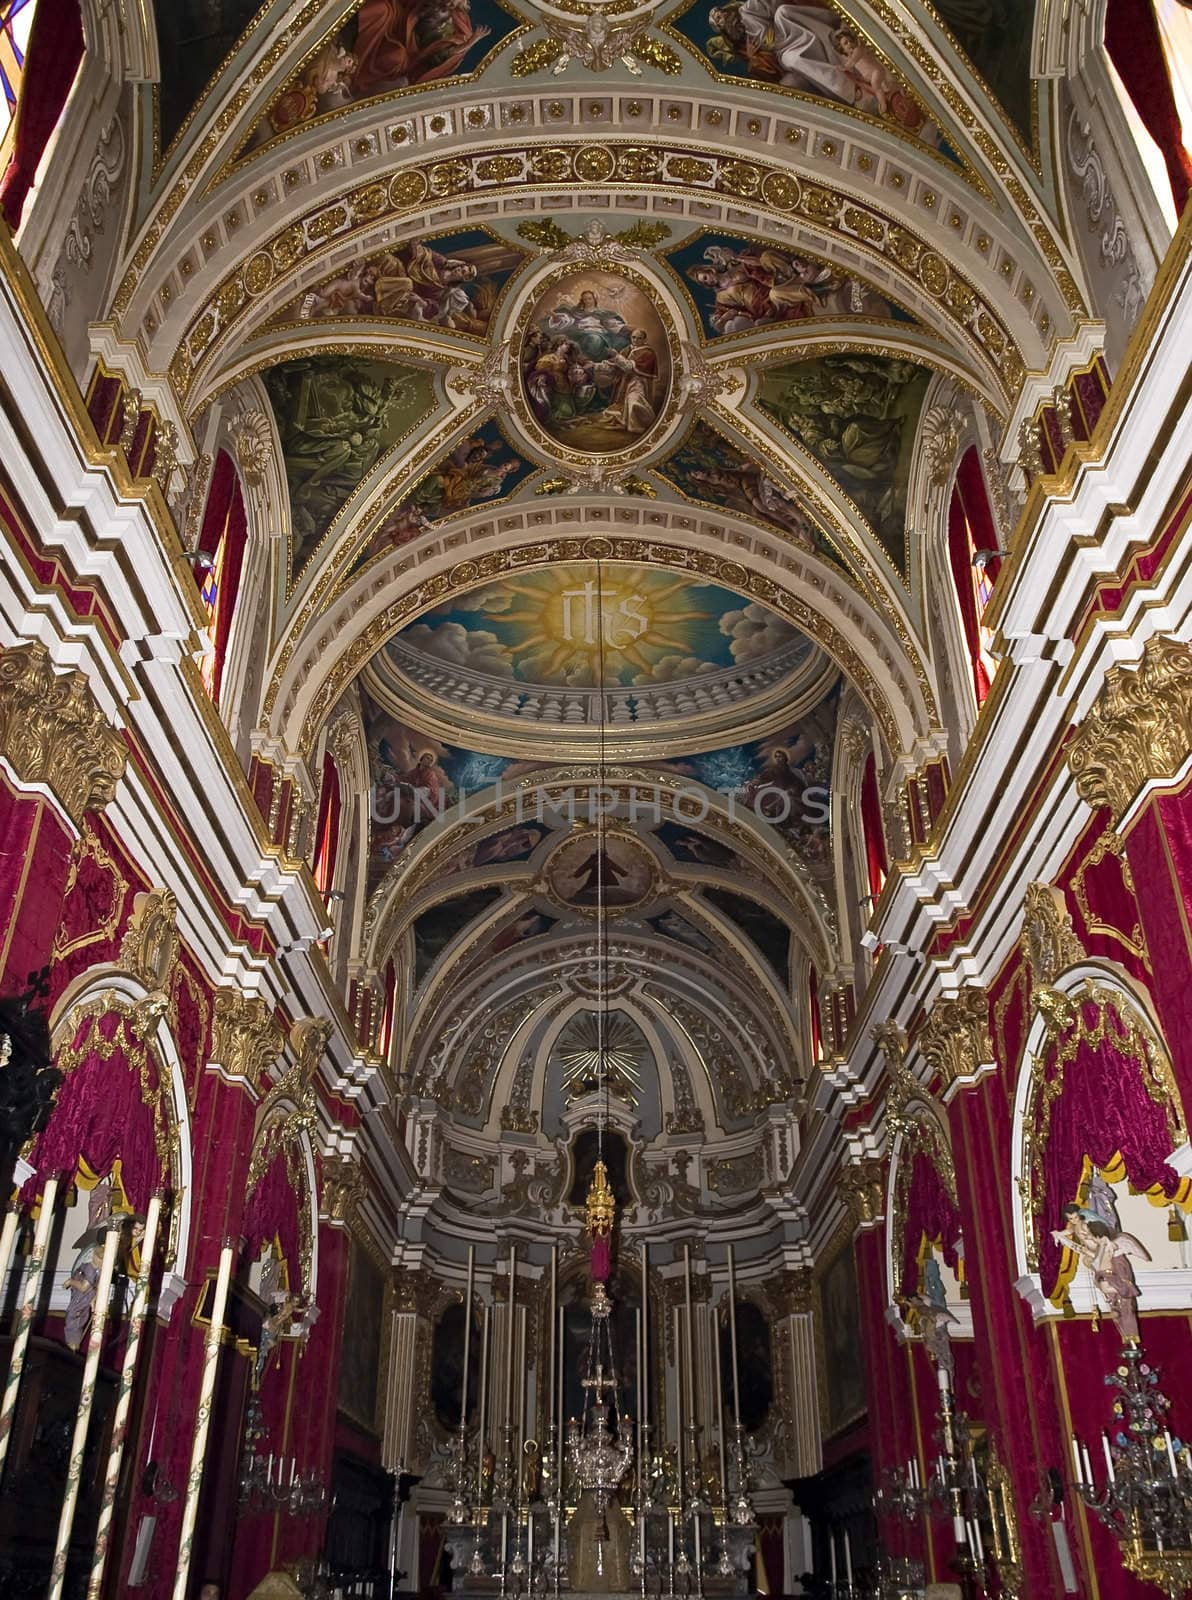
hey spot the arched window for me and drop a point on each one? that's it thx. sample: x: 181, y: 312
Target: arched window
x: 1150, y: 45
x: 876, y: 863
x: 41, y: 46
x: 388, y: 1005
x: 224, y: 536
x: 813, y: 1013
x: 327, y: 826
x: 971, y: 536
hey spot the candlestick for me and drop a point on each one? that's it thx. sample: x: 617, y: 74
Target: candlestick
x: 848, y: 1559
x: 511, y: 1339
x: 483, y: 1407
x: 690, y: 1337
x: 554, y: 1301
x: 194, y: 1482
x: 645, y: 1333
x: 128, y: 1371
x: 74, y: 1473
x: 832, y: 1554
x: 637, y: 1357
x: 463, y: 1396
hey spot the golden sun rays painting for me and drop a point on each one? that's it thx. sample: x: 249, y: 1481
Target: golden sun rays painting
x: 571, y: 625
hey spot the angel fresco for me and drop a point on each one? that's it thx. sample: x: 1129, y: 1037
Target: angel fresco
x: 1094, y: 1234
x: 706, y: 467
x: 480, y: 467
x: 452, y: 282
x: 385, y: 45
x: 752, y: 286
x: 811, y: 48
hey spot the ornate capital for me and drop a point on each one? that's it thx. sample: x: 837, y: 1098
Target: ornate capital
x: 247, y: 1039
x: 343, y: 737
x: 342, y: 1190
x: 1047, y: 940
x: 955, y: 1039
x: 416, y: 1291
x: 1139, y: 727
x: 790, y: 1293
x: 862, y: 1187
x: 53, y: 732
x: 150, y: 945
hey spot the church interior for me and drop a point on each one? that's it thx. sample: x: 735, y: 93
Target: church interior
x: 595, y: 812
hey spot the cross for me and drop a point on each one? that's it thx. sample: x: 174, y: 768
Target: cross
x: 600, y: 1383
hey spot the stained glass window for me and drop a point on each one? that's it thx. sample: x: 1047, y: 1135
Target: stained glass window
x: 16, y: 19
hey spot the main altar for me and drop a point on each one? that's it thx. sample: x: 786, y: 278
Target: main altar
x: 598, y: 1508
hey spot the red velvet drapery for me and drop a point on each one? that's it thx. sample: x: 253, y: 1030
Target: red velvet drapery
x: 1134, y: 45
x: 971, y: 528
x: 876, y: 862
x: 327, y: 826
x: 51, y: 63
x: 1102, y: 1110
x: 930, y: 1214
x: 272, y: 1213
x: 101, y: 1112
x: 225, y: 523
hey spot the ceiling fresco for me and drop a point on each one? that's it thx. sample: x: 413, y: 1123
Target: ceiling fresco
x: 437, y: 928
x: 542, y: 629
x: 480, y: 468
x: 384, y: 46
x: 708, y: 468
x: 858, y: 415
x: 337, y: 417
x: 452, y: 281
x: 739, y: 285
x: 595, y: 361
x: 768, y: 934
x: 815, y: 50
x: 996, y: 37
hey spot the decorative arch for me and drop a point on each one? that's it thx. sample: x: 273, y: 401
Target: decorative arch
x: 1095, y: 1089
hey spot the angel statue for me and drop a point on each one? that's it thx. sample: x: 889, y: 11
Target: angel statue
x: 1094, y: 1234
x: 933, y: 1319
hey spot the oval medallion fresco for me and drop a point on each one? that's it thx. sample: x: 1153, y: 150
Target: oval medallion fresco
x: 595, y: 361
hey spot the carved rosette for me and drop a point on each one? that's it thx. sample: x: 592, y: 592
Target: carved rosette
x: 53, y: 732
x: 1138, y: 729
x: 862, y: 1186
x: 955, y: 1040
x: 247, y: 1039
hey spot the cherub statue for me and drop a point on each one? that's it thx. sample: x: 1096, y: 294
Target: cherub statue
x: 933, y: 1319
x: 1094, y: 1234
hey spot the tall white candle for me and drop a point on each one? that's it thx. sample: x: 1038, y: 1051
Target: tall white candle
x: 832, y: 1553
x: 690, y: 1340
x: 483, y: 1407
x: 720, y: 1411
x: 1075, y: 1460
x: 637, y: 1357
x: 511, y: 1340
x: 554, y: 1301
x: 463, y: 1394
x: 848, y: 1559
x: 732, y: 1332
x: 1108, y: 1456
x: 645, y: 1332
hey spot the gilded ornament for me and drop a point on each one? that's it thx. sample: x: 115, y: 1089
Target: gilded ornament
x: 534, y: 57
x: 594, y: 164
x: 252, y: 443
x: 52, y: 732
x: 259, y: 272
x: 149, y: 948
x: 1138, y: 730
x: 165, y: 455
x: 407, y: 189
x: 955, y: 1040
x: 130, y: 421
x: 939, y: 438
x: 246, y: 1038
x: 862, y: 1186
x: 1048, y: 940
x: 342, y: 1189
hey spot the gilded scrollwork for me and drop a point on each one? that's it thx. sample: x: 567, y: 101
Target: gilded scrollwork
x: 1138, y: 730
x: 53, y: 732
x: 862, y: 1186
x: 1048, y: 940
x: 247, y: 1039
x: 149, y: 948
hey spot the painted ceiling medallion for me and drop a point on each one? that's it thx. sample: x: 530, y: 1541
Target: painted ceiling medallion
x: 596, y: 362
x: 597, y: 867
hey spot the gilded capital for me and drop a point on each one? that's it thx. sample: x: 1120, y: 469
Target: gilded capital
x: 247, y: 1039
x: 955, y: 1039
x: 1139, y: 728
x: 53, y: 732
x: 790, y: 1292
x: 862, y: 1187
x: 1048, y: 940
x: 342, y: 1190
